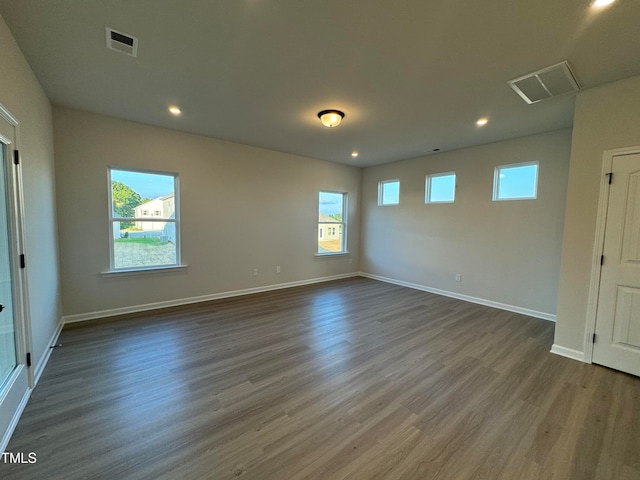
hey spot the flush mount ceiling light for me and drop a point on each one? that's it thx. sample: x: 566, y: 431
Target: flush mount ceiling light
x: 175, y: 110
x: 354, y: 154
x: 331, y: 118
x: 602, y: 3
x: 482, y: 121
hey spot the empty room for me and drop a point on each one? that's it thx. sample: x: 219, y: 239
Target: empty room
x: 320, y: 240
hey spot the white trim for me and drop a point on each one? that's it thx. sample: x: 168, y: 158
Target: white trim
x: 37, y: 373
x: 112, y: 219
x: 569, y: 353
x: 343, y: 223
x: 6, y: 114
x: 467, y: 298
x: 427, y: 187
x: 81, y: 317
x: 598, y: 246
x: 496, y: 181
x: 47, y: 353
x: 143, y: 271
x: 15, y: 419
x: 381, y: 183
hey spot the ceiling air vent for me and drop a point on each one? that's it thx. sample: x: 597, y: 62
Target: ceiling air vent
x: 122, y: 42
x: 546, y: 83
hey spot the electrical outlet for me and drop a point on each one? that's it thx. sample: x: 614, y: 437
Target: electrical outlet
x: 278, y: 269
x: 458, y: 277
x: 255, y: 272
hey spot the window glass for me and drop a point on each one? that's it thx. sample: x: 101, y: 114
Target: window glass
x: 389, y: 192
x: 516, y: 182
x: 144, y: 219
x: 332, y: 223
x: 440, y: 188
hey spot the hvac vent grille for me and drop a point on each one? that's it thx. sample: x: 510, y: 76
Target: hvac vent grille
x: 121, y: 42
x: 545, y: 83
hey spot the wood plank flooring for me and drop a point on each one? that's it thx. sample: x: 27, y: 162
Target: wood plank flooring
x: 353, y: 379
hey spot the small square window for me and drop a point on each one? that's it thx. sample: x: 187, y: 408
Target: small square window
x: 516, y: 182
x: 440, y: 188
x: 389, y: 192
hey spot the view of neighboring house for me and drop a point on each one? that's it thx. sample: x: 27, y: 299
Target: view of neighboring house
x: 161, y: 207
x: 329, y: 230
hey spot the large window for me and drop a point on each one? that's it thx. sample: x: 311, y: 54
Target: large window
x: 389, y: 192
x: 440, y: 188
x: 332, y: 223
x: 144, y: 219
x: 515, y: 182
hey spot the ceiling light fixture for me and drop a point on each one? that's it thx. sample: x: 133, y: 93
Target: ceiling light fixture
x: 482, y: 121
x: 175, y: 110
x: 331, y: 118
x: 602, y: 3
x: 354, y: 154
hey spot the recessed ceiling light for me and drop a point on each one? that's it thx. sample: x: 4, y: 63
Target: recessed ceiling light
x: 175, y: 110
x: 601, y: 3
x: 482, y: 121
x: 354, y: 154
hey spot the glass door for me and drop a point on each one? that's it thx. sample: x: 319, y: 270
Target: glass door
x: 8, y: 354
x: 14, y: 372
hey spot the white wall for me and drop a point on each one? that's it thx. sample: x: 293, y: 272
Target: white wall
x: 507, y: 252
x: 241, y: 208
x: 23, y: 96
x: 606, y: 118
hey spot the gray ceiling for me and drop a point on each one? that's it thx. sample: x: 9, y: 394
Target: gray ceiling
x: 411, y: 76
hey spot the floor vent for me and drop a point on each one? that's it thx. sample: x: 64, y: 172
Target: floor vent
x: 122, y: 42
x: 549, y: 82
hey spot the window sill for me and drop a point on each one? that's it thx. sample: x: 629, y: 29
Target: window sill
x: 332, y: 254
x: 143, y: 271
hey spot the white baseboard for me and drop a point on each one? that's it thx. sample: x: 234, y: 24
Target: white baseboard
x: 82, y: 317
x: 568, y: 352
x: 4, y: 441
x: 37, y: 372
x: 481, y: 301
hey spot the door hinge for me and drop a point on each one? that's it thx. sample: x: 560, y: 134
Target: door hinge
x: 16, y: 157
x: 593, y: 338
x: 29, y: 359
x: 610, y: 175
x: 601, y: 260
x: 22, y: 262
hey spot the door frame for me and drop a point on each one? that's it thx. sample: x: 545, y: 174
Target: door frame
x: 15, y: 223
x: 598, y: 246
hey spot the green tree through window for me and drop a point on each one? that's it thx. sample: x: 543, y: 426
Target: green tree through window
x: 125, y: 199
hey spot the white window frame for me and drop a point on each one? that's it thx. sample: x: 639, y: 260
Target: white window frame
x: 113, y: 220
x: 381, y: 201
x: 342, y: 224
x: 496, y: 181
x: 427, y: 187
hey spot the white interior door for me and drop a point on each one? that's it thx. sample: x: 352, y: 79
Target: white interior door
x: 14, y: 374
x: 617, y: 329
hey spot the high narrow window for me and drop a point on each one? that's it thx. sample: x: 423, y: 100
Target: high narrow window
x: 332, y: 223
x: 517, y: 181
x: 144, y: 219
x: 440, y: 188
x: 389, y: 192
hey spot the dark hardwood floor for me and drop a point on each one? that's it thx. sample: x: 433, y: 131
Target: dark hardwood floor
x: 350, y: 379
